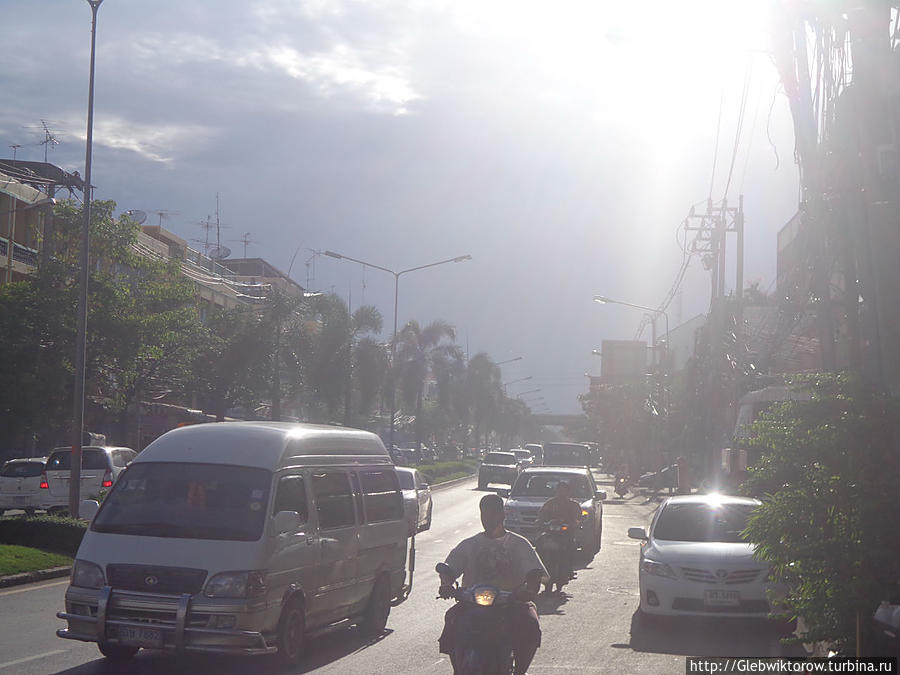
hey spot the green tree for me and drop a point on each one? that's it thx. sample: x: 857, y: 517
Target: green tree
x: 419, y: 349
x: 828, y: 478
x: 485, y: 391
x: 231, y: 361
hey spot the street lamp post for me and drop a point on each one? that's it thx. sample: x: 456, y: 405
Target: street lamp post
x: 397, y: 275
x: 84, y: 261
x: 517, y: 358
x: 654, y: 315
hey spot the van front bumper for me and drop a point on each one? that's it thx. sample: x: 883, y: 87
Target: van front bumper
x: 174, y: 623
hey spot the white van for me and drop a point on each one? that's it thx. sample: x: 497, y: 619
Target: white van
x: 241, y: 538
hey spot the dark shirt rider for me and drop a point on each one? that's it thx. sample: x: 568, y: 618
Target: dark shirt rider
x: 561, y: 507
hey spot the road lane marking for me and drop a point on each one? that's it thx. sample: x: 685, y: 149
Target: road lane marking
x: 33, y: 588
x: 32, y: 658
x: 437, y: 541
x: 627, y: 543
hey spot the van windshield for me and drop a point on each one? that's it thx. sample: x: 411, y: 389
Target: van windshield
x: 187, y: 501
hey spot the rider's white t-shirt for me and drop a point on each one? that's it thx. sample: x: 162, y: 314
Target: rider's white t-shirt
x: 501, y: 562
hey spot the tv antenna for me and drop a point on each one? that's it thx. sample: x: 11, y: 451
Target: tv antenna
x: 246, y: 241
x: 49, y: 139
x: 163, y: 213
x: 15, y: 147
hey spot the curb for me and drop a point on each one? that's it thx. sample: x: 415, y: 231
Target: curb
x: 36, y: 575
x: 437, y: 487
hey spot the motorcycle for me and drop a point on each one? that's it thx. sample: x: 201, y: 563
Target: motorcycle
x: 553, y: 545
x: 621, y: 486
x: 482, y: 643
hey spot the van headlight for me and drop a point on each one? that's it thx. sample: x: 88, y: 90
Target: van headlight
x: 484, y: 596
x: 249, y: 584
x: 87, y: 575
x: 657, y: 569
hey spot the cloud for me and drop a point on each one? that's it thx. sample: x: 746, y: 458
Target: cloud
x: 155, y: 142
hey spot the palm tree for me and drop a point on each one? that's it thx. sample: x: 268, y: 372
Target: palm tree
x: 421, y: 351
x: 485, y: 392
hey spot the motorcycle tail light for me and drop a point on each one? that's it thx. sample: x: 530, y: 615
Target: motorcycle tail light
x: 44, y: 484
x: 107, y: 479
x: 564, y: 528
x: 484, y: 596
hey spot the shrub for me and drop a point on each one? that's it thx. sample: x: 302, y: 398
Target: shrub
x: 435, y: 473
x: 827, y: 526
x: 48, y: 533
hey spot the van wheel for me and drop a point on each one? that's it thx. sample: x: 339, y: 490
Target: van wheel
x: 292, y: 633
x: 376, y: 616
x: 117, y: 652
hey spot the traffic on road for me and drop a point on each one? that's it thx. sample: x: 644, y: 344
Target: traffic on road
x: 164, y: 592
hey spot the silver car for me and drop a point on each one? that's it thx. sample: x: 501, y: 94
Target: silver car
x: 417, y: 505
x: 695, y: 561
x: 20, y: 484
x: 536, y: 485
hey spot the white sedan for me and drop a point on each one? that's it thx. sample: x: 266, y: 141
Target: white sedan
x: 694, y: 561
x: 416, y: 499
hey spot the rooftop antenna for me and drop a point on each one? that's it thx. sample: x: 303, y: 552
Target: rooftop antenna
x: 49, y: 139
x: 15, y: 147
x: 163, y: 213
x: 219, y: 225
x: 246, y: 241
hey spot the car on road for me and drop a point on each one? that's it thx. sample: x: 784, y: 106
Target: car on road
x: 535, y: 485
x: 100, y: 467
x: 694, y: 560
x: 524, y: 456
x: 417, y: 504
x: 537, y: 451
x: 241, y: 538
x: 20, y: 484
x: 567, y: 454
x: 498, y: 467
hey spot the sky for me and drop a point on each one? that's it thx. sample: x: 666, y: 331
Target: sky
x: 561, y: 145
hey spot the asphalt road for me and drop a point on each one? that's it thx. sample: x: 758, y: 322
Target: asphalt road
x: 592, y: 628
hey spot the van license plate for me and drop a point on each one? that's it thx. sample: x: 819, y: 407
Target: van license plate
x: 140, y: 637
x: 715, y: 598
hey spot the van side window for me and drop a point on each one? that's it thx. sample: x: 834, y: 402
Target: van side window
x: 381, y: 492
x: 291, y: 496
x: 334, y: 500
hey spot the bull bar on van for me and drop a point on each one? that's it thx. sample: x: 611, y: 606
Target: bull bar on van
x: 175, y: 635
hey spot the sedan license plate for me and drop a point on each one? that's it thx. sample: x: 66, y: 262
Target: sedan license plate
x: 139, y: 637
x: 716, y: 598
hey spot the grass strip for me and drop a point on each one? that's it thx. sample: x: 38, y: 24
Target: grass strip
x: 16, y: 559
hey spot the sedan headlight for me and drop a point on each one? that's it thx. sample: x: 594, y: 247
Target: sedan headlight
x: 236, y: 585
x: 87, y: 575
x: 657, y: 568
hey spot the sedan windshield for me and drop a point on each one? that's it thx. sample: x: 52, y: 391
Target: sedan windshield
x: 703, y: 522
x: 187, y: 501
x: 544, y: 485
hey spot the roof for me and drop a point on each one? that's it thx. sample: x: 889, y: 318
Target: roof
x: 26, y: 459
x: 711, y: 498
x: 267, y: 445
x: 557, y: 469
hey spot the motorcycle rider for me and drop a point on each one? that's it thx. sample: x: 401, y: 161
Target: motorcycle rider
x: 505, y: 560
x: 563, y: 508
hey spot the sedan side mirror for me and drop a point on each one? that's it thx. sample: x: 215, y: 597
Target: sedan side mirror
x: 503, y: 492
x: 286, y: 521
x: 637, y: 533
x: 600, y: 495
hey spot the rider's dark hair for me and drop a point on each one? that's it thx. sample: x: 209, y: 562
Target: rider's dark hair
x: 491, y: 503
